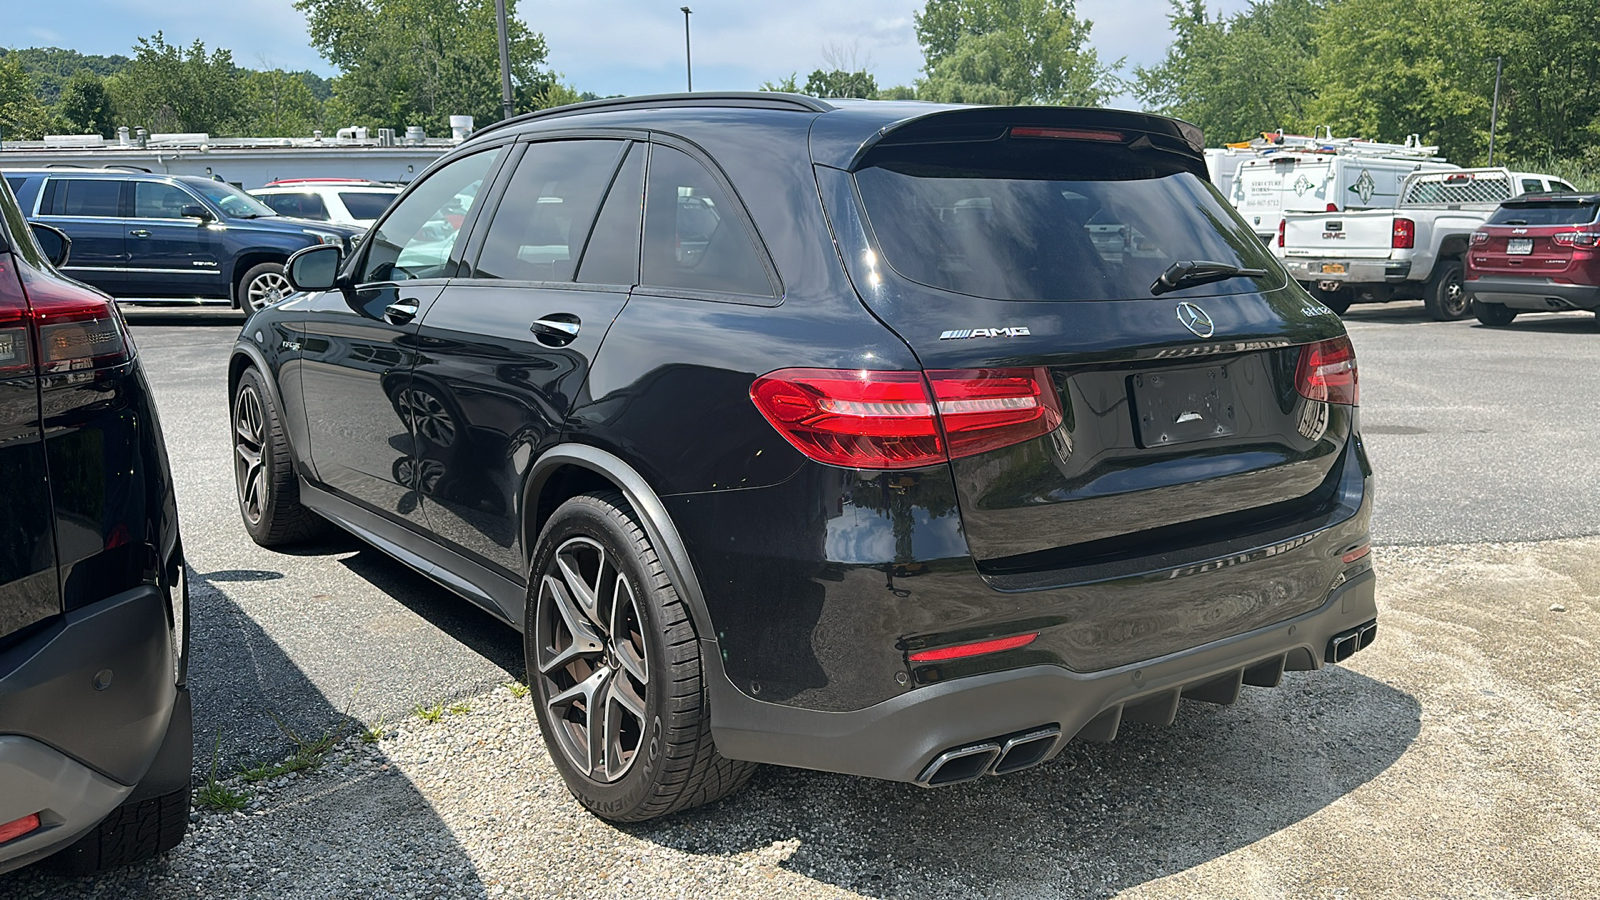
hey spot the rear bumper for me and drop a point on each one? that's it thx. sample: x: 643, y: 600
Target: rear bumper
x: 899, y: 738
x: 71, y: 752
x: 1534, y: 293
x: 1355, y: 271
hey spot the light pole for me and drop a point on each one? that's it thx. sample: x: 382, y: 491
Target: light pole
x: 1494, y: 110
x: 688, y: 61
x: 505, y: 61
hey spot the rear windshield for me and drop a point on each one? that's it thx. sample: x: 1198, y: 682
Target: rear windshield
x: 1053, y: 221
x: 367, y: 204
x: 1574, y: 212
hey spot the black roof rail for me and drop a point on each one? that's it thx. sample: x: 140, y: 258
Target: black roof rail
x: 747, y: 99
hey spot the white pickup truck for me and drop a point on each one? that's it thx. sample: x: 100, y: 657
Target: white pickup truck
x: 1412, y: 251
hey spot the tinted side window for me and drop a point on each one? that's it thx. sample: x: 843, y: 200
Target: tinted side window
x: 612, y: 256
x: 154, y: 200
x: 418, y: 236
x: 366, y: 204
x: 540, y: 224
x: 693, y: 239
x: 85, y: 197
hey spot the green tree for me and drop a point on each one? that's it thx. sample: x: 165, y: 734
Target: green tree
x: 839, y: 83
x: 278, y: 104
x: 1550, y: 94
x: 167, y: 88
x: 1237, y: 76
x: 22, y: 116
x: 86, y: 104
x: 898, y: 92
x: 416, y: 62
x: 788, y: 85
x: 1388, y: 68
x: 1010, y: 51
x: 52, y: 68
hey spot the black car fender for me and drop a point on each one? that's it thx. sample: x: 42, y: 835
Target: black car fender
x: 653, y: 518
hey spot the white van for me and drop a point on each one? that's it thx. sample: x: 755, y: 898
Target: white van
x: 1265, y: 188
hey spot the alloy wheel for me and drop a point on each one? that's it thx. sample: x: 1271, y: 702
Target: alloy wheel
x: 1455, y: 297
x: 268, y: 288
x: 249, y: 431
x: 591, y: 659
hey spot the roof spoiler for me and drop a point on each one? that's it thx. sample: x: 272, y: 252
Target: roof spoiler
x: 835, y: 143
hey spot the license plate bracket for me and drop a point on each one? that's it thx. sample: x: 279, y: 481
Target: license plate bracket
x: 1333, y: 268
x: 1178, y: 406
x: 1519, y: 246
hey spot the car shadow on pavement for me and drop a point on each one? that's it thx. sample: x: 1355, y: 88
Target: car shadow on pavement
x: 247, y: 694
x: 1553, y: 323
x: 1097, y: 819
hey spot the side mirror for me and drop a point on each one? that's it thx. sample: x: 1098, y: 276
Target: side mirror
x: 196, y: 212
x: 314, y: 268
x: 53, y: 241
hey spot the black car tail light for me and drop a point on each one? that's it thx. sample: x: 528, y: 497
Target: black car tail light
x: 1327, y: 372
x: 891, y: 420
x: 73, y: 327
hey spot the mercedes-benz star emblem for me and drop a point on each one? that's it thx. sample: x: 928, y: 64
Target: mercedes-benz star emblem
x: 1195, y: 319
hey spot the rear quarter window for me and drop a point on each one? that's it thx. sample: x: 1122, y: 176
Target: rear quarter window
x: 366, y: 204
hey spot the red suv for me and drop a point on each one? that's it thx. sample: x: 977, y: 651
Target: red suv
x: 1538, y: 252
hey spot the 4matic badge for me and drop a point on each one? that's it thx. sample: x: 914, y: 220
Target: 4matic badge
x: 963, y: 333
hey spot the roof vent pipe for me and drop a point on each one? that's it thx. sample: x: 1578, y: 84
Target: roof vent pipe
x: 460, y: 128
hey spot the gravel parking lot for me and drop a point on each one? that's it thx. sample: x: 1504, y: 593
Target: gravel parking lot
x: 1458, y: 757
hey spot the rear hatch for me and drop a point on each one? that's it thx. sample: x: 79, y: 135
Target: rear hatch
x: 1538, y: 237
x: 1035, y: 254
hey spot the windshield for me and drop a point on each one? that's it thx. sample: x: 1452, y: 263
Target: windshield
x: 234, y: 203
x: 1007, y: 236
x: 1571, y: 212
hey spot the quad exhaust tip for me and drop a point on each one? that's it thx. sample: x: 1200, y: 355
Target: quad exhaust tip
x: 1346, y: 643
x: 998, y: 756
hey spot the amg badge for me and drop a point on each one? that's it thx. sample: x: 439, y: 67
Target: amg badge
x: 963, y: 333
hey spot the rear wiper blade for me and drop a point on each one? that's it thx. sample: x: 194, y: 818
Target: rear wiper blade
x: 1190, y: 272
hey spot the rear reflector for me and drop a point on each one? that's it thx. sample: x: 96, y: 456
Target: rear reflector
x: 1327, y: 372
x: 1070, y: 134
x: 889, y: 420
x: 979, y: 648
x: 10, y: 831
x: 1357, y: 553
x: 1404, y: 236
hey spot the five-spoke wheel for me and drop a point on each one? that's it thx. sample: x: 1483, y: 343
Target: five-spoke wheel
x: 591, y: 654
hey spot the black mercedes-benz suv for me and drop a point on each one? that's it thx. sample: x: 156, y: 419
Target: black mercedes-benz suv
x: 95, y: 735
x: 893, y: 439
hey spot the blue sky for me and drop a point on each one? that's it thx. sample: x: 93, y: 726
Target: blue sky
x: 605, y: 46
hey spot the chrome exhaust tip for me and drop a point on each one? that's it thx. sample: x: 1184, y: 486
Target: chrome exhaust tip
x: 1026, y: 750
x: 960, y: 764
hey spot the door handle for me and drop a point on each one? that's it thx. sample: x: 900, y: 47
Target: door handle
x: 400, y: 313
x: 556, y: 330
x: 139, y: 233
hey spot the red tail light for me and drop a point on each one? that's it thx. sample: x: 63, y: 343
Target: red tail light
x: 1333, y: 207
x: 1327, y: 372
x: 73, y: 328
x: 1579, y: 239
x: 1404, y: 236
x: 1480, y: 237
x: 894, y: 420
x: 1281, y: 225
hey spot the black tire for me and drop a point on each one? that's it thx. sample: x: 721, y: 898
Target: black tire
x: 263, y: 285
x: 605, y: 624
x: 1446, y: 297
x: 263, y: 475
x: 135, y: 831
x: 1495, y: 315
x: 1338, y: 301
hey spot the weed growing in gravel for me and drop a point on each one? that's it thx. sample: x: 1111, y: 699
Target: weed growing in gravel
x: 518, y: 689
x: 461, y: 708
x: 309, y: 753
x: 433, y: 714
x: 376, y: 733
x: 219, y: 796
